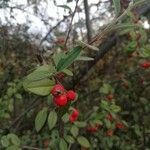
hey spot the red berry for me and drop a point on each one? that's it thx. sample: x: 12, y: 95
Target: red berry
x: 72, y: 119
x: 145, y: 65
x: 109, y: 132
x: 75, y: 113
x: 71, y: 95
x: 57, y: 90
x: 60, y: 100
x: 119, y: 126
x: 74, y: 116
x: 91, y: 129
x: 110, y: 97
x: 109, y: 117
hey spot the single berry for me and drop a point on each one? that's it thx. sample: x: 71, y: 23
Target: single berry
x: 109, y: 117
x: 119, y: 126
x: 109, y: 132
x: 60, y: 100
x: 75, y: 113
x: 74, y: 116
x: 71, y: 95
x: 72, y: 119
x: 110, y: 97
x: 145, y: 65
x: 91, y: 129
x: 57, y: 90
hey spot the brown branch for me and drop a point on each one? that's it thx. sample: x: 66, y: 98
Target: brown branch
x: 70, y: 27
x: 51, y: 29
x: 106, y: 44
x: 87, y: 20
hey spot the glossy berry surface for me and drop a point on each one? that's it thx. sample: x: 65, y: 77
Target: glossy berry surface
x: 110, y: 97
x: 145, y: 65
x: 74, y: 116
x: 71, y: 95
x: 57, y: 90
x: 119, y: 126
x: 60, y: 100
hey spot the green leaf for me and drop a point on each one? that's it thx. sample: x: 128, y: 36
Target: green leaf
x: 41, y: 72
x: 69, y: 139
x: 5, y: 141
x: 65, y: 118
x: 57, y: 57
x: 85, y: 58
x: 63, y: 145
x: 14, y: 139
x: 69, y: 59
x: 88, y: 46
x: 74, y: 131
x: 115, y: 108
x: 38, y: 81
x: 40, y: 119
x: 65, y: 7
x: 83, y: 141
x: 13, y: 147
x: 107, y: 123
x: 117, y: 7
x: 52, y: 119
x: 41, y: 87
x: 106, y: 88
x: 67, y: 72
x: 80, y: 124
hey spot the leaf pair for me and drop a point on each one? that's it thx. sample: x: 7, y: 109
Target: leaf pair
x: 41, y: 118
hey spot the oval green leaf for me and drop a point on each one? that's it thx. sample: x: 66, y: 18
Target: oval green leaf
x: 74, y: 131
x: 40, y: 119
x: 52, y: 119
x: 63, y: 145
x: 69, y: 59
x: 83, y: 141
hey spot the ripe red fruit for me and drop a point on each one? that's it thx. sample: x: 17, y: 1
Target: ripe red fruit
x: 72, y: 119
x: 71, y: 95
x: 60, y: 100
x: 110, y: 97
x: 119, y: 126
x: 74, y: 116
x: 109, y: 132
x: 57, y: 90
x: 145, y: 65
x: 109, y: 117
x: 75, y: 113
x: 91, y: 129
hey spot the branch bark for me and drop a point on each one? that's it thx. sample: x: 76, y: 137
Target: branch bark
x: 87, y: 20
x: 105, y: 45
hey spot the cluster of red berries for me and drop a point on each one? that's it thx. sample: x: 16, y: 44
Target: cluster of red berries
x: 94, y: 128
x: 145, y: 65
x: 110, y: 132
x: 61, y: 96
x: 118, y: 125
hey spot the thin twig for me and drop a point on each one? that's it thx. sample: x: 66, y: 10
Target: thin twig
x: 31, y: 148
x: 22, y: 114
x: 70, y: 27
x: 51, y: 29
